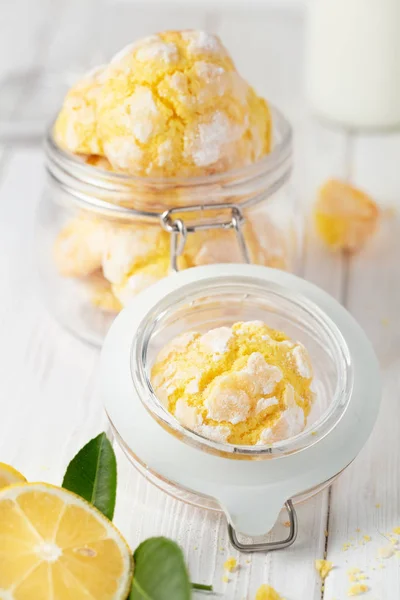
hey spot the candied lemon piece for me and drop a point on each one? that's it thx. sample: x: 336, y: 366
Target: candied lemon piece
x: 244, y: 384
x: 345, y: 217
x: 9, y: 475
x: 54, y: 544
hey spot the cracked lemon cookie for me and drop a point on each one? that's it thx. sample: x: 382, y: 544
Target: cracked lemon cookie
x: 244, y: 384
x: 171, y: 104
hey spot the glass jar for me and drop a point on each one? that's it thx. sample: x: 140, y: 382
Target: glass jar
x: 249, y: 483
x: 103, y: 236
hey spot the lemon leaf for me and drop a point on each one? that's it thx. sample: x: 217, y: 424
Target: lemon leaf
x: 92, y: 474
x: 160, y: 572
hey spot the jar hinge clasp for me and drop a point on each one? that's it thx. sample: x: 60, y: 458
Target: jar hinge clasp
x: 179, y: 230
x: 268, y: 546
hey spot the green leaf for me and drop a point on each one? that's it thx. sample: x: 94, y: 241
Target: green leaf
x: 160, y: 572
x: 92, y: 474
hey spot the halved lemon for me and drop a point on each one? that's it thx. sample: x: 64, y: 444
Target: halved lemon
x: 9, y: 475
x: 56, y: 546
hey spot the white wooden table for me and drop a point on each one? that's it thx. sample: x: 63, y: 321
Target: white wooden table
x: 49, y: 406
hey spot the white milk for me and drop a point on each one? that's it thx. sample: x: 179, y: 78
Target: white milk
x: 353, y: 61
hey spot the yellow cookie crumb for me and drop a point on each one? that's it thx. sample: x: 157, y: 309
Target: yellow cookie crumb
x: 225, y: 579
x: 367, y: 538
x: 266, y: 592
x: 346, y: 546
x: 396, y: 530
x: 244, y: 384
x: 230, y: 564
x: 357, y: 589
x: 345, y: 217
x: 323, y: 567
x: 356, y: 575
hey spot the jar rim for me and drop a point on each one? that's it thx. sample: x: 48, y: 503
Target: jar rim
x: 321, y: 322
x: 82, y: 181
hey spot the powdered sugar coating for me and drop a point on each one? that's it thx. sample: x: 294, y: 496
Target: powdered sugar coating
x: 217, y: 433
x: 122, y: 150
x: 265, y: 403
x: 202, y: 42
x: 205, y: 145
x: 179, y: 344
x: 155, y: 48
x: 216, y: 340
x: 302, y: 361
x: 226, y: 402
x: 187, y: 415
x: 290, y: 423
x: 264, y: 376
x: 125, y: 247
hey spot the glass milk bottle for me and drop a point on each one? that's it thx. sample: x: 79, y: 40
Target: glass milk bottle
x: 353, y: 62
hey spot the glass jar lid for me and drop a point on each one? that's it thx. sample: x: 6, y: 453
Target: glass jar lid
x: 221, y: 301
x: 251, y: 483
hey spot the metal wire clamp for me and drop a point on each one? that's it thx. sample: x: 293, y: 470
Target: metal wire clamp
x: 179, y: 230
x: 268, y: 546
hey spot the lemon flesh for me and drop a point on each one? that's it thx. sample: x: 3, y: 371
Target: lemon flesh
x: 53, y: 544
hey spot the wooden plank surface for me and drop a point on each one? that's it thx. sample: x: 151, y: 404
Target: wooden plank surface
x: 49, y: 404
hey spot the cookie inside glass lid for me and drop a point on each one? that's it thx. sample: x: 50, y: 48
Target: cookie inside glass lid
x: 245, y: 384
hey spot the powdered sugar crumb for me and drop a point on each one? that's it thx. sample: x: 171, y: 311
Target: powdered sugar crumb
x: 216, y: 340
x: 202, y: 41
x: 157, y: 50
